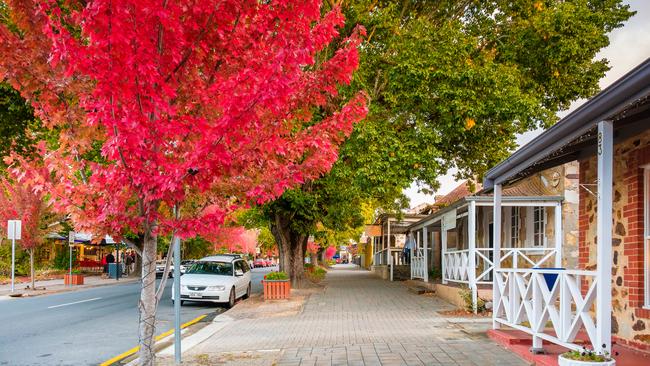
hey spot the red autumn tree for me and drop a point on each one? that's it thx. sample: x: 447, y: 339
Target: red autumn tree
x: 20, y: 201
x: 204, y: 106
x: 234, y: 240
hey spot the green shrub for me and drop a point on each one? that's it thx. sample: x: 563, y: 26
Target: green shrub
x: 435, y: 274
x: 22, y: 260
x: 586, y: 355
x: 62, y: 259
x: 276, y: 276
x: 309, y: 267
x: 466, y: 295
x: 316, y: 275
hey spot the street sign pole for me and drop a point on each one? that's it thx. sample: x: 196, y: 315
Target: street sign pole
x: 13, y: 233
x: 70, y: 242
x: 13, y: 262
x: 177, y: 301
x: 118, y: 272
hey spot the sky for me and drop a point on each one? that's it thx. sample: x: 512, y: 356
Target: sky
x: 629, y: 46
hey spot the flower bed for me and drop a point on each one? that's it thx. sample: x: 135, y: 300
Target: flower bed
x: 73, y: 279
x: 276, y: 286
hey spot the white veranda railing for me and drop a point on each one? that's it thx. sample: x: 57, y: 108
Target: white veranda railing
x: 457, y: 262
x: 547, y: 303
x: 418, y: 268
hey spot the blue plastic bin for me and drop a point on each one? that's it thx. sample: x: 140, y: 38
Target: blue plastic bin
x: 113, y: 270
x: 550, y: 278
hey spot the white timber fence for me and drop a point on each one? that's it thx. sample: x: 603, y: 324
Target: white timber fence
x: 457, y: 262
x: 549, y: 304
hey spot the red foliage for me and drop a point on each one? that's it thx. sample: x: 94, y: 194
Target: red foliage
x: 312, y: 247
x: 235, y: 240
x: 19, y: 201
x: 205, y: 101
x: 329, y: 252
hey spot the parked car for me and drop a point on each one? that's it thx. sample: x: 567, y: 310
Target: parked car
x: 269, y: 263
x: 184, y: 266
x: 218, y: 279
x: 160, y: 268
x: 259, y: 263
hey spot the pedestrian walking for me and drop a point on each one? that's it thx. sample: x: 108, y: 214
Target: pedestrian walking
x: 409, y: 245
x: 129, y: 263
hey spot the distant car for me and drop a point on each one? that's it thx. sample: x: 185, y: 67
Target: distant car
x: 259, y: 263
x: 160, y: 268
x: 217, y: 279
x: 269, y: 263
x: 184, y: 266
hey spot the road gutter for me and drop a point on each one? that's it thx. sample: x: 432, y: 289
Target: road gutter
x: 158, y: 338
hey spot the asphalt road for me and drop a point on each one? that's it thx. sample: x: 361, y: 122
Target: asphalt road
x: 85, y: 327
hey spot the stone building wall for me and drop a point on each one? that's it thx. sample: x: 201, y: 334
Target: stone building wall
x: 630, y: 323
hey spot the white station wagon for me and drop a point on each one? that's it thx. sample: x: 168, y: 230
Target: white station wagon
x: 217, y: 279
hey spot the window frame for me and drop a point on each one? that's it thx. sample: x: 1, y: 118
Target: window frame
x: 539, y: 223
x: 515, y: 226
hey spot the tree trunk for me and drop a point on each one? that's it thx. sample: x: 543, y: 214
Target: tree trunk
x: 314, y: 259
x: 31, y: 268
x: 148, y: 302
x: 291, y: 246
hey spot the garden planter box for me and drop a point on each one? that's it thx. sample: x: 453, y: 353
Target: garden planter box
x: 276, y: 290
x: 75, y: 279
x: 562, y: 361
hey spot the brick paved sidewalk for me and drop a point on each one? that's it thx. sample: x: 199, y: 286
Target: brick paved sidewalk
x: 358, y: 320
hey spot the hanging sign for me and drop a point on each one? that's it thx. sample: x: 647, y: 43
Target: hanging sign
x: 14, y: 229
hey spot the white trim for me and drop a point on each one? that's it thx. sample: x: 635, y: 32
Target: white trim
x: 496, y: 298
x: 542, y: 222
x: 519, y: 203
x: 559, y: 235
x: 605, y: 156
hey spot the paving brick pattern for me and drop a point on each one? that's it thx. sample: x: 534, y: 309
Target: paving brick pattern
x: 358, y: 320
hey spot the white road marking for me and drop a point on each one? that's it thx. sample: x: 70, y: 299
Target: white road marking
x: 72, y: 303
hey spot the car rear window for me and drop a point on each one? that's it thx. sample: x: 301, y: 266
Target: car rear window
x: 215, y: 268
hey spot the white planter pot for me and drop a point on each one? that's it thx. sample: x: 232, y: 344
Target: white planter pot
x: 567, y: 362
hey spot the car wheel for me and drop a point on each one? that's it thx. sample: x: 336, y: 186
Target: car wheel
x: 182, y: 302
x: 248, y: 292
x: 231, y: 299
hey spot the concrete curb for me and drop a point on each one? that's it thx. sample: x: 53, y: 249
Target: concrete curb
x: 219, y: 322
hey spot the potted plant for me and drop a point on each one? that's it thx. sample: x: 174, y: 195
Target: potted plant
x: 76, y: 278
x: 586, y: 357
x: 276, y: 286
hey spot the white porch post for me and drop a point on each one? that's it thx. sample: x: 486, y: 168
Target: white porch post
x: 496, y: 254
x: 471, y: 234
x: 443, y: 250
x: 413, y: 252
x: 425, y: 241
x: 558, y: 235
x: 604, y: 235
x: 389, y: 252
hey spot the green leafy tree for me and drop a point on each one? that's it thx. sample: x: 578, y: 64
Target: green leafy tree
x: 452, y: 83
x: 19, y: 129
